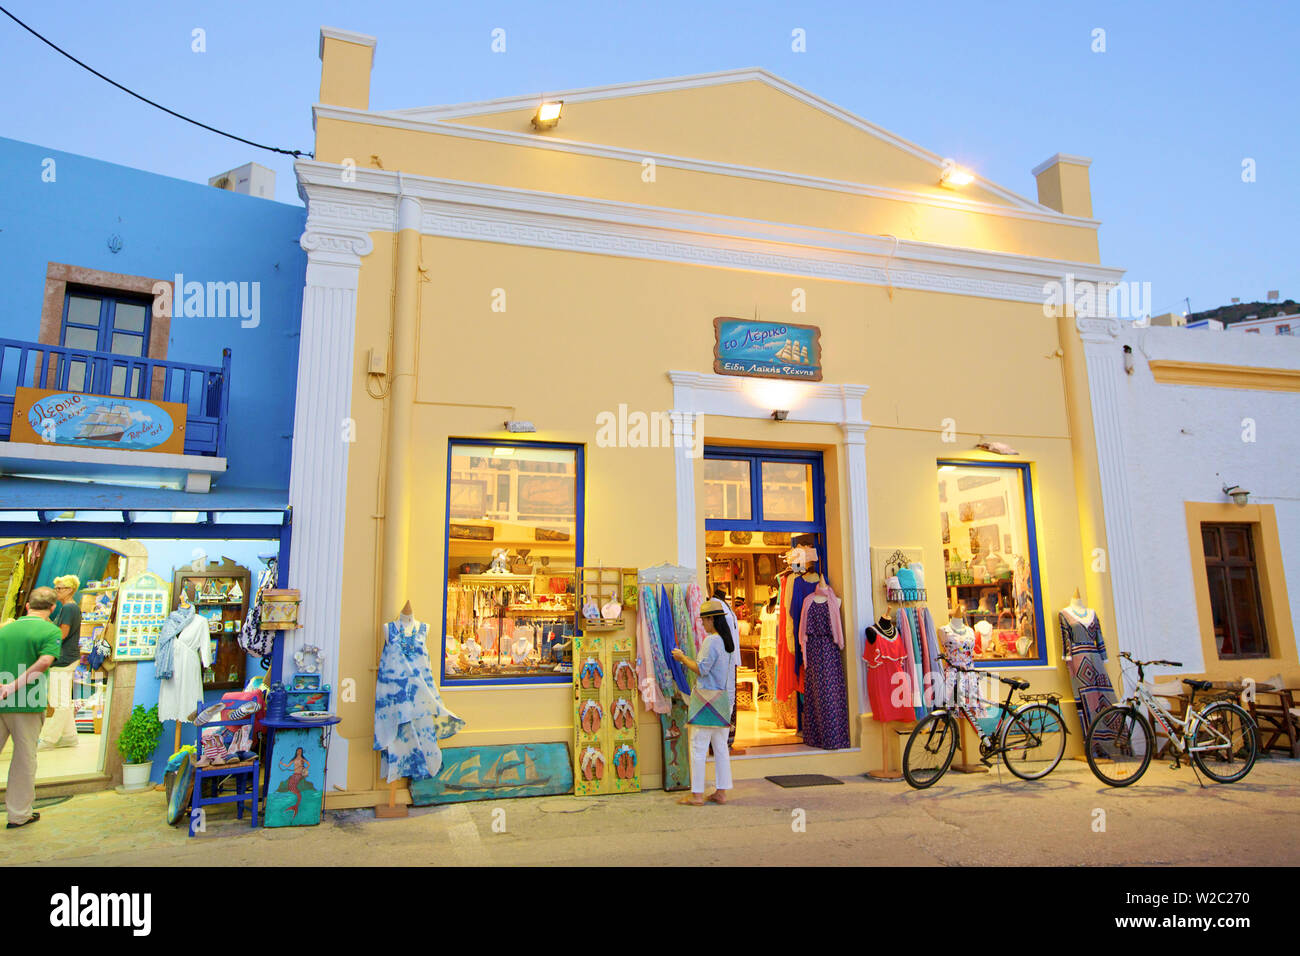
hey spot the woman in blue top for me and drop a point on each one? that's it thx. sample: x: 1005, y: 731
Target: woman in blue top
x: 717, y: 671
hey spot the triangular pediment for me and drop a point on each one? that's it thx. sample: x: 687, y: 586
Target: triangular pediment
x: 741, y: 118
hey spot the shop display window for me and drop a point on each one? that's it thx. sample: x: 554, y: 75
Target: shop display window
x: 990, y: 574
x: 514, y: 542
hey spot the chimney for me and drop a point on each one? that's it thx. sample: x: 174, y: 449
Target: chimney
x: 1063, y: 185
x: 346, y: 59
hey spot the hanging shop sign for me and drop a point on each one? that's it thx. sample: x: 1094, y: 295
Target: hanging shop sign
x: 767, y: 349
x: 49, y: 416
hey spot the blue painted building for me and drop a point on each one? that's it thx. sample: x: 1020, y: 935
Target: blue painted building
x: 129, y: 290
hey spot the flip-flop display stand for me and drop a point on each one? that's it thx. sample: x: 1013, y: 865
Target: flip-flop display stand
x: 604, y: 693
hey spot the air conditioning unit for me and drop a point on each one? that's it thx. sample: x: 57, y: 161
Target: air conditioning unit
x: 251, y: 179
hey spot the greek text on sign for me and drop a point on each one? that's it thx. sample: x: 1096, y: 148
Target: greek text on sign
x: 97, y: 421
x: 767, y: 349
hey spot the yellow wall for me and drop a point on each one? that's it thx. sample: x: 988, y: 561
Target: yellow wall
x: 583, y: 333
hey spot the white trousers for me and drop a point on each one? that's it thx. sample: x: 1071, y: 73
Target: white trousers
x: 701, y: 739
x: 61, y: 728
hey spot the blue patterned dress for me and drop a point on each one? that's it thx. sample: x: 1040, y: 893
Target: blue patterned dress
x: 1083, y: 645
x: 410, y: 717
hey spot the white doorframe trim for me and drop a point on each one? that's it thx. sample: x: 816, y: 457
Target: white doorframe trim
x: 700, y: 393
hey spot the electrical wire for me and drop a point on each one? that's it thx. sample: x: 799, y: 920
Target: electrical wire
x: 212, y: 129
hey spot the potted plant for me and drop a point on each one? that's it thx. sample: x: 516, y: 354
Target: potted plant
x: 137, y: 742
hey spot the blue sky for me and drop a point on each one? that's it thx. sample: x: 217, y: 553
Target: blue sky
x: 1183, y: 93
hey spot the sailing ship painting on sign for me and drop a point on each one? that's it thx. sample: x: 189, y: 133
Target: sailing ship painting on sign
x: 767, y: 349
x: 497, y: 772
x: 97, y: 421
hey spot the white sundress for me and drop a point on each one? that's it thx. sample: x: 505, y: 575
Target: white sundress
x: 410, y: 717
x: 181, y: 695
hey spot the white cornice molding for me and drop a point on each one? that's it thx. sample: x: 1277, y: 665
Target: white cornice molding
x: 1028, y: 211
x: 343, y: 212
x: 1066, y: 158
x: 700, y: 80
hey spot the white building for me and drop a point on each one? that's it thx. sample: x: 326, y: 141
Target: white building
x: 1273, y: 325
x: 1196, y: 577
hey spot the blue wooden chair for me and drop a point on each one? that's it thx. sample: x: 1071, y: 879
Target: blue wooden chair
x: 244, y: 776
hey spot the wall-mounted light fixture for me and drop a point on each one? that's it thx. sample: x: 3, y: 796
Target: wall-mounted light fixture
x: 520, y: 426
x: 996, y: 447
x: 1238, y: 494
x: 548, y: 114
x: 780, y: 414
x: 953, y: 175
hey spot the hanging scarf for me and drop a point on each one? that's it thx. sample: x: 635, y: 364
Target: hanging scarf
x: 645, y: 664
x: 668, y: 638
x: 695, y: 601
x: 915, y: 667
x: 252, y: 638
x: 662, y: 672
x: 682, y: 630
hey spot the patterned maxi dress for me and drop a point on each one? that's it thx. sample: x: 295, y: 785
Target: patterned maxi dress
x: 961, y: 689
x: 410, y: 717
x: 825, y: 701
x: 1082, y: 643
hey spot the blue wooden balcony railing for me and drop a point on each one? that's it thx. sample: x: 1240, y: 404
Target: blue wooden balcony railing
x: 204, y: 390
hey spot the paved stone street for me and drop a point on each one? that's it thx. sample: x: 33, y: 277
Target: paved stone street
x: 985, y: 819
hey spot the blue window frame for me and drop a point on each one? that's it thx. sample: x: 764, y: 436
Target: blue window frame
x: 983, y: 507
x: 743, y: 489
x: 469, y: 494
x: 100, y: 321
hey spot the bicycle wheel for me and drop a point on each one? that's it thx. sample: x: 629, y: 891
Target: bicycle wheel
x: 1224, y: 743
x: 1033, y: 741
x: 1120, y: 744
x: 929, y: 750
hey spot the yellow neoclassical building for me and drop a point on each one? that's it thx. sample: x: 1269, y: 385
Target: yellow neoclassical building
x: 695, y: 322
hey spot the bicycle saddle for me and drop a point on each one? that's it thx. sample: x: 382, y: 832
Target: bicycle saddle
x: 1017, y: 684
x: 1197, y: 684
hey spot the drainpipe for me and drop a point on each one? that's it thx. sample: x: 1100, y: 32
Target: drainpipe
x: 397, y: 486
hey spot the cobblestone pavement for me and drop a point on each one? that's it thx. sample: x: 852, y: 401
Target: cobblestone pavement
x: 983, y: 819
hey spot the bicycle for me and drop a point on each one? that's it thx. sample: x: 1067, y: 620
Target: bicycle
x: 1221, y: 740
x: 1029, y: 738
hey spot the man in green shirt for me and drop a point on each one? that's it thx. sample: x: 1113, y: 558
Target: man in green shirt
x: 28, y: 646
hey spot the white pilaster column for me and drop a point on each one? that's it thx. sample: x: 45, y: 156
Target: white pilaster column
x: 1105, y: 364
x: 684, y: 438
x: 321, y: 432
x: 864, y: 611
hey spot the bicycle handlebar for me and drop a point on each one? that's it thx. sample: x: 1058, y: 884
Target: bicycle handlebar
x: 976, y: 670
x: 1133, y: 660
